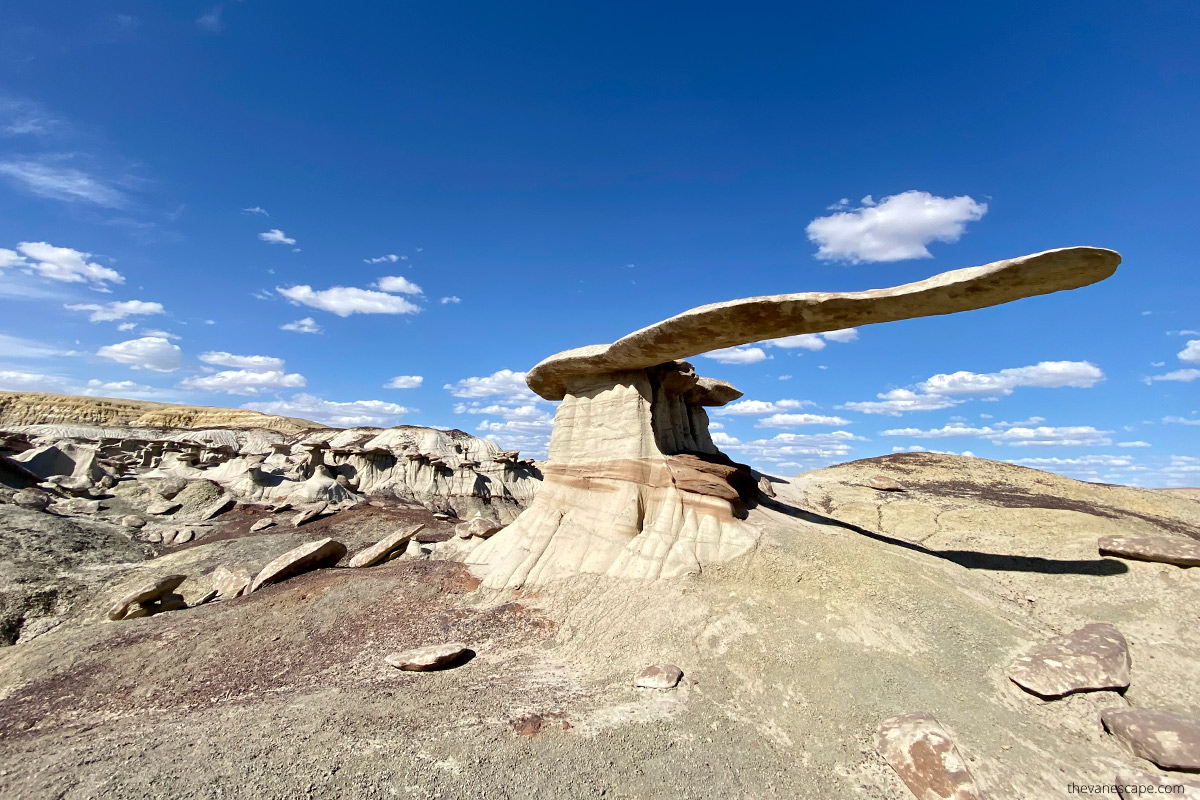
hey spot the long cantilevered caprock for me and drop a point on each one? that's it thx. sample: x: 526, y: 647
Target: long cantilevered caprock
x: 753, y: 319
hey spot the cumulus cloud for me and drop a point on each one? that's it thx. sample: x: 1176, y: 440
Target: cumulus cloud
x: 347, y: 300
x: 524, y: 427
x: 16, y: 347
x: 896, y: 228
x: 1180, y: 421
x: 949, y: 389
x: 737, y: 355
x: 276, y: 236
x: 796, y: 420
x: 306, y: 325
x: 503, y: 382
x: 18, y: 381
x: 1191, y: 353
x: 1019, y: 436
x: 365, y: 413
x: 98, y: 388
x: 223, y: 359
x: 256, y: 210
x: 813, y: 341
x: 755, y: 408
x: 404, y: 382
x: 399, y: 285
x: 450, y: 299
x: 149, y: 352
x: 1178, y: 375
x: 1133, y: 444
x: 245, y: 381
x: 390, y: 257
x: 51, y: 180
x: 118, y: 310
x: 784, y: 446
x: 59, y: 264
x: 1080, y: 461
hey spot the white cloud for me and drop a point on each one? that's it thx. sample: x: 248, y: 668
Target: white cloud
x: 1180, y: 421
x: 56, y: 182
x: 737, y: 355
x: 210, y: 20
x: 1133, y: 444
x: 245, y: 381
x: 450, y: 299
x: 898, y: 227
x: 306, y: 325
x: 276, y: 236
x: 149, y: 352
x: 796, y: 420
x: 118, y: 310
x: 1081, y: 461
x: 61, y: 264
x: 16, y: 381
x: 503, y: 382
x: 1191, y: 353
x: 404, y: 382
x: 390, y: 257
x: 127, y: 326
x: 1071, y: 436
x: 395, y: 283
x: 783, y: 446
x: 369, y: 413
x: 813, y: 341
x: 949, y: 389
x: 721, y: 439
x: 117, y: 388
x: 16, y: 347
x: 256, y: 210
x: 842, y: 336
x: 346, y: 300
x: 24, y: 118
x: 222, y: 359
x: 159, y: 333
x: 1179, y: 375
x: 754, y: 408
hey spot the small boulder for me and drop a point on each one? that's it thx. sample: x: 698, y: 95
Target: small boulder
x: 184, y: 535
x: 306, y: 557
x: 658, y: 676
x: 924, y: 756
x: 764, y: 486
x: 479, y: 528
x: 883, y: 483
x: 1093, y: 658
x: 309, y: 513
x: 169, y: 487
x: 161, y: 507
x: 154, y: 537
x: 218, y: 506
x: 1166, y: 738
x: 148, y: 593
x: 131, y: 521
x: 430, y: 657
x: 228, y: 582
x: 262, y: 524
x: 77, y: 485
x: 384, y: 547
x: 78, y: 505
x: 1162, y: 549
x: 31, y: 498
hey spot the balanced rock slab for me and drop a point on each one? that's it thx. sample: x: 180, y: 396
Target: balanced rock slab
x: 926, y: 759
x: 163, y: 507
x: 1093, y: 658
x: 228, y: 582
x: 885, y: 484
x: 306, y: 557
x: 385, y: 547
x: 262, y: 524
x: 309, y: 513
x: 658, y: 676
x: 148, y: 593
x: 479, y: 528
x: 1166, y: 738
x: 218, y: 506
x: 430, y: 657
x: 1161, y: 549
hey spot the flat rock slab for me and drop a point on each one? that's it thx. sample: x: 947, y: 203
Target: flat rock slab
x: 479, y: 527
x: 228, y: 582
x: 430, y: 657
x: 162, y: 507
x: 306, y: 557
x: 924, y: 756
x: 32, y: 498
x: 309, y: 513
x: 1093, y: 658
x: 1166, y: 738
x: 1161, y: 549
x: 658, y: 676
x: 149, y: 593
x: 262, y: 524
x: 885, y: 484
x: 1133, y: 785
x: 385, y: 547
x: 218, y: 506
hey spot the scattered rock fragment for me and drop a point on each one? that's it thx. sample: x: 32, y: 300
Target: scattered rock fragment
x: 385, y: 547
x: 306, y: 557
x: 162, y: 507
x: 154, y: 537
x: 1166, y: 738
x: 78, y: 505
x: 764, y: 486
x: 885, y: 484
x: 169, y: 487
x: 658, y: 676
x: 1131, y: 785
x: 31, y: 498
x: 71, y: 484
x: 1093, y: 658
x: 479, y: 528
x: 309, y: 513
x: 924, y: 756
x: 131, y: 521
x: 148, y: 593
x: 262, y: 524
x: 1161, y: 549
x: 441, y: 516
x: 218, y: 506
x: 228, y: 582
x: 184, y: 536
x: 430, y: 657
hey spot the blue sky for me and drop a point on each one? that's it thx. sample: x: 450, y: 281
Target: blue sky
x: 385, y: 214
